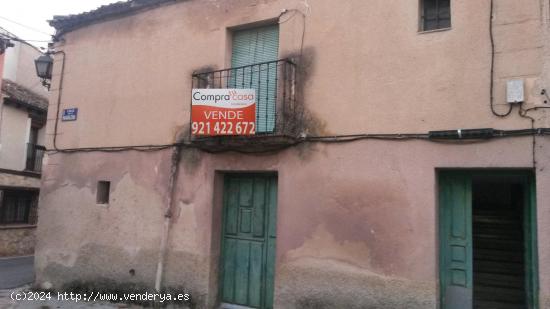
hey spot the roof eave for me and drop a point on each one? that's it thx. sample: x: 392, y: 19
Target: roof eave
x: 68, y: 23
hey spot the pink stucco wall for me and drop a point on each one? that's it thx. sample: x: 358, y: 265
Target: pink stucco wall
x: 358, y: 75
x: 357, y: 222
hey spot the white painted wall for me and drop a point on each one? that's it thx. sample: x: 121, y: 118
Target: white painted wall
x: 14, y: 134
x: 15, y: 123
x: 11, y: 59
x: 41, y: 140
x: 19, y: 67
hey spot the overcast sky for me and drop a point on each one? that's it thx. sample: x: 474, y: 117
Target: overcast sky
x: 33, y: 14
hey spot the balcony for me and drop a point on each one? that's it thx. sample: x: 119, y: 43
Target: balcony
x: 35, y: 154
x: 278, y: 118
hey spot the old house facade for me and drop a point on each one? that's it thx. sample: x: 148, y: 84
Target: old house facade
x: 399, y: 161
x: 23, y: 111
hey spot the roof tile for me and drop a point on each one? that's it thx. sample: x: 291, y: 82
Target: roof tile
x: 67, y: 23
x: 24, y: 95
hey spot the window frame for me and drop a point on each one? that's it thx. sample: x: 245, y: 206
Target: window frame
x: 103, y: 194
x: 27, y: 199
x: 422, y: 17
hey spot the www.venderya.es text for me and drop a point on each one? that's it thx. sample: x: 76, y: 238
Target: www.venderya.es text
x: 100, y: 297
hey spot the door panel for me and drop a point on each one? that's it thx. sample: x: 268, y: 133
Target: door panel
x: 247, y: 250
x: 271, y: 240
x: 229, y: 269
x: 455, y: 200
x: 242, y: 278
x: 256, y: 263
x: 531, y: 243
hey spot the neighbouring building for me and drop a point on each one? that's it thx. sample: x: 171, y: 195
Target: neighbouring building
x: 23, y: 111
x: 399, y: 156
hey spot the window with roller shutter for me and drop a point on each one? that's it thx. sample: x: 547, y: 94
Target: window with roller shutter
x: 257, y: 46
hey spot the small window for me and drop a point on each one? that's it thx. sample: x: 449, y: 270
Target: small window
x: 435, y: 14
x: 18, y: 207
x: 103, y: 189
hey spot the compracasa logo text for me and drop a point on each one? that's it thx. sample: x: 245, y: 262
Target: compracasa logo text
x: 236, y: 96
x: 231, y: 95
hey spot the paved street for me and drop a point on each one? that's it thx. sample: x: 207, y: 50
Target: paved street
x: 15, y: 272
x: 17, y: 275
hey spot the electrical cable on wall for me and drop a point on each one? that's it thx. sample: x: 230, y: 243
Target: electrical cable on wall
x: 456, y: 137
x: 544, y: 93
x: 304, y: 15
x: 451, y: 138
x: 523, y: 113
x: 492, y: 82
x: 293, y: 141
x: 59, y: 92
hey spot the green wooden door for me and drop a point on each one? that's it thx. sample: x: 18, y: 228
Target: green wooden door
x: 254, y: 47
x: 455, y: 235
x: 531, y: 242
x: 248, y: 245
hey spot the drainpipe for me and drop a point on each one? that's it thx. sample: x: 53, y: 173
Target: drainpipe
x: 167, y: 216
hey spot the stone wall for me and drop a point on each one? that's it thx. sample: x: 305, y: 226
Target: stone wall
x: 20, y: 181
x: 17, y: 240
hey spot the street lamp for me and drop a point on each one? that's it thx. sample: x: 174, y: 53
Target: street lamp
x: 44, y: 66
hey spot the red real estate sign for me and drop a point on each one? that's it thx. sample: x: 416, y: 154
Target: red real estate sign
x: 223, y: 112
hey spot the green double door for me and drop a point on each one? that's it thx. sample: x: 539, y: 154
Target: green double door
x: 467, y: 258
x: 248, y: 240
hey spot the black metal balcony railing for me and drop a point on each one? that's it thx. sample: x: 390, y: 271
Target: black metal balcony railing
x: 275, y: 85
x: 35, y: 154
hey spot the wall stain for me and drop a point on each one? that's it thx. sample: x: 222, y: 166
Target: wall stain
x: 191, y: 159
x: 93, y: 272
x: 322, y: 244
x: 340, y: 285
x: 83, y: 170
